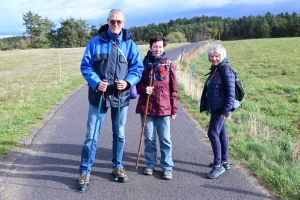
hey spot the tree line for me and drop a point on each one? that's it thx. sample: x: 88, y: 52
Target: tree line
x: 204, y: 27
x: 42, y: 32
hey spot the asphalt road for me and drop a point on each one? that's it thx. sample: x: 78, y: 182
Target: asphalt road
x: 46, y: 167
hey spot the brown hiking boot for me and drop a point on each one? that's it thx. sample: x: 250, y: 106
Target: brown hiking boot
x: 81, y: 181
x: 122, y: 176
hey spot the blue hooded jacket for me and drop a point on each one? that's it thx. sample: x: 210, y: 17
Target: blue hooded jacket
x: 103, y: 61
x: 219, y: 91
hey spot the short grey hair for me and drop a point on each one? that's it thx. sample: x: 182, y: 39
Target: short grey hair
x: 217, y: 48
x: 116, y: 11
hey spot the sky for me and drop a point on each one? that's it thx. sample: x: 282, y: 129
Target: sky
x: 137, y: 12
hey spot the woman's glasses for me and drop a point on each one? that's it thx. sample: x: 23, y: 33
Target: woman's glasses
x: 112, y: 22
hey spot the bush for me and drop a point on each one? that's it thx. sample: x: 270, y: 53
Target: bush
x: 141, y: 42
x: 176, y: 37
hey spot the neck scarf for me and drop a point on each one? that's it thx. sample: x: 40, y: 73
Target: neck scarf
x: 152, y: 61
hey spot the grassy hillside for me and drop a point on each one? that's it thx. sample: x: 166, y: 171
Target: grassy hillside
x: 265, y: 133
x: 31, y: 83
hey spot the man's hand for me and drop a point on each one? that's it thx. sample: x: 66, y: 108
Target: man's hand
x: 121, y: 85
x: 102, y: 86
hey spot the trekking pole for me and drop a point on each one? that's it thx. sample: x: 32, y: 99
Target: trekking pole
x: 144, y: 123
x: 90, y: 152
x: 117, y: 139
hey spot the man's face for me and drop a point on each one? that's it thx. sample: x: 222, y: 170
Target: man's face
x: 116, y: 23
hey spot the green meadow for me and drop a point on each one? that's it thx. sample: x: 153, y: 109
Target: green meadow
x: 264, y: 134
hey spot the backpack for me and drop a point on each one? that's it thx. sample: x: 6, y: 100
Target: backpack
x: 239, y: 90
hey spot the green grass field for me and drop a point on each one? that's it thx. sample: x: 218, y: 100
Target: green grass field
x: 264, y: 134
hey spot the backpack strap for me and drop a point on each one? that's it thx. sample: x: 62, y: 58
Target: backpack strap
x: 221, y: 71
x: 222, y: 68
x: 168, y: 63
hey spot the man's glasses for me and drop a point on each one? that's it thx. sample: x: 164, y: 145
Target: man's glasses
x: 112, y: 22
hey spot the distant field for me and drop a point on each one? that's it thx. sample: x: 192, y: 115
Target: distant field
x: 31, y: 83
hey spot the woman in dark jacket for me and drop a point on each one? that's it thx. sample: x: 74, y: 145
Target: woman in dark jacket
x: 218, y: 98
x: 162, y: 104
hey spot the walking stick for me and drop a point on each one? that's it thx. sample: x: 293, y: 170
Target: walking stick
x: 90, y: 152
x: 117, y: 139
x: 144, y: 123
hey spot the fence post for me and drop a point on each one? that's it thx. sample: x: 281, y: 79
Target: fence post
x: 192, y: 75
x: 59, y: 68
x: 181, y: 56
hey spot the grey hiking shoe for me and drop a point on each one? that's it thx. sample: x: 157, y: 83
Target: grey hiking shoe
x: 122, y: 176
x: 225, y: 165
x: 167, y: 174
x: 215, y: 172
x: 81, y: 181
x: 149, y: 170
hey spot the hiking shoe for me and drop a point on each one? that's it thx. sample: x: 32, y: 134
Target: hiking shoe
x: 225, y: 165
x: 149, y: 170
x: 215, y: 172
x: 167, y: 174
x: 81, y: 181
x: 122, y: 176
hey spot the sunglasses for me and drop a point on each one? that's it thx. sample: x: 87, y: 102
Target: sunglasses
x: 112, y: 22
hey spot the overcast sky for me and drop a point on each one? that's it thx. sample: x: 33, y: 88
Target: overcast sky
x: 137, y: 12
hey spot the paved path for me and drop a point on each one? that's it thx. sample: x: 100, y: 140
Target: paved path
x: 46, y: 168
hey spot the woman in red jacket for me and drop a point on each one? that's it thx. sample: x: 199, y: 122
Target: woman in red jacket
x: 162, y: 105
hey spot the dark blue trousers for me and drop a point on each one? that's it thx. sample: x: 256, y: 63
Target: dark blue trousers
x: 218, y: 137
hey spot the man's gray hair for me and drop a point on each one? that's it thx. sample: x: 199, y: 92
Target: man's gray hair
x: 217, y: 48
x: 115, y: 11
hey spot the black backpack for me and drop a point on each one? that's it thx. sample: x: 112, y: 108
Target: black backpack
x: 239, y: 90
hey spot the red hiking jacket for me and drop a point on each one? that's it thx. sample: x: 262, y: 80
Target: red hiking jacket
x: 163, y: 100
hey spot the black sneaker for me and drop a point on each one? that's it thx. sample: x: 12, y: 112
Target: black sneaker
x: 215, y: 172
x: 80, y: 185
x: 122, y: 176
x: 225, y: 165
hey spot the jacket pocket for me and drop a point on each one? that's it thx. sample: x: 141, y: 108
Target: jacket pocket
x: 100, y: 65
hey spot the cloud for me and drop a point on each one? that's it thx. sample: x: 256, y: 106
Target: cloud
x: 137, y: 12
x: 5, y: 36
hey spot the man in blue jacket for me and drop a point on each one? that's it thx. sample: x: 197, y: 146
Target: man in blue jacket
x: 111, y: 65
